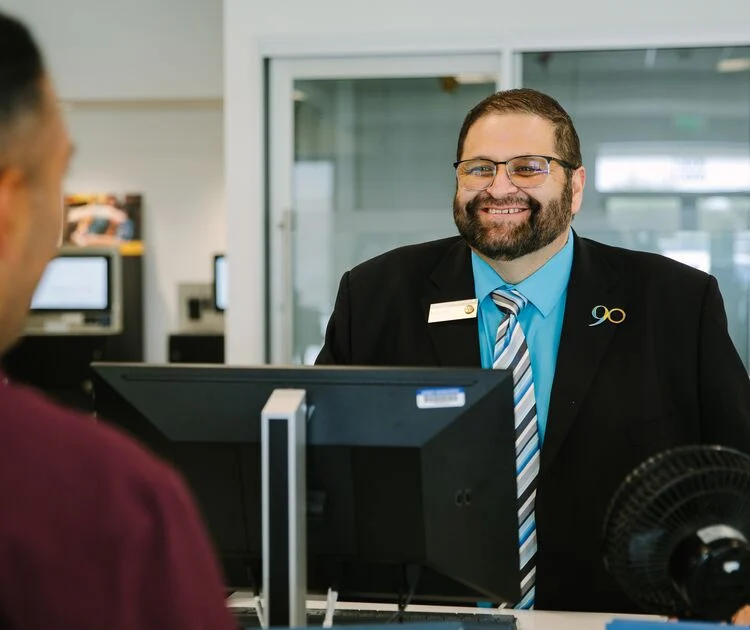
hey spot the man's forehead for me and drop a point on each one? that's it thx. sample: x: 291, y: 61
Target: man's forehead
x: 516, y: 131
x: 514, y: 122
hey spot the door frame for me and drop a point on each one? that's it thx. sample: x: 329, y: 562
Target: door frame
x: 282, y: 74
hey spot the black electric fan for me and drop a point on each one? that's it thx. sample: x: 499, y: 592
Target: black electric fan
x: 676, y: 533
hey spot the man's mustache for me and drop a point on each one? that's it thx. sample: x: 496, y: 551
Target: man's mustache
x: 518, y: 201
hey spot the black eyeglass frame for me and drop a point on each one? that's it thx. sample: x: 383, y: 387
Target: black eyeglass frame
x: 548, y: 158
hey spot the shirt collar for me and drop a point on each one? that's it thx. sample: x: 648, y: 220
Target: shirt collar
x: 543, y: 288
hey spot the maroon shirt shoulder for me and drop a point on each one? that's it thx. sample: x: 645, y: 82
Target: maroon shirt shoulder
x: 95, y: 532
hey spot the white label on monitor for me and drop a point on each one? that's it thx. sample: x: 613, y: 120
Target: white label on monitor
x: 73, y: 283
x: 56, y: 326
x: 72, y: 319
x: 441, y: 398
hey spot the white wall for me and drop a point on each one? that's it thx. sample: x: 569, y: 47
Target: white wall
x: 444, y: 21
x: 174, y: 157
x: 134, y: 71
x: 124, y: 49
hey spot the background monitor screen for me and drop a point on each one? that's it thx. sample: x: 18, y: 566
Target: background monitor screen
x: 73, y: 283
x: 220, y: 282
x: 404, y: 467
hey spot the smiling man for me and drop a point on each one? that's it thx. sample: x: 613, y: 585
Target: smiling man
x: 615, y: 354
x: 516, y: 220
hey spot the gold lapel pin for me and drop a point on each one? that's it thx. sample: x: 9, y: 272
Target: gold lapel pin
x: 603, y: 314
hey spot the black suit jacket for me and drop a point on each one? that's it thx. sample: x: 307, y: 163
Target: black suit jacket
x: 668, y: 375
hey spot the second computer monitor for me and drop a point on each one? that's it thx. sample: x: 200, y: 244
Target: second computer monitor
x: 406, y: 467
x: 220, y: 282
x: 80, y: 293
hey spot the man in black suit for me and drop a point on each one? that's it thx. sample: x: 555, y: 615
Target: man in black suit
x: 629, y: 351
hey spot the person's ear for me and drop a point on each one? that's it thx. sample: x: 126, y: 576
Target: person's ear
x: 578, y: 182
x: 14, y: 213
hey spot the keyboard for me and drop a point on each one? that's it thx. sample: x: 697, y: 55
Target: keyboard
x: 355, y: 617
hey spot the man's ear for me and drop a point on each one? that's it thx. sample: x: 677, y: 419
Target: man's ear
x: 578, y: 182
x: 14, y: 213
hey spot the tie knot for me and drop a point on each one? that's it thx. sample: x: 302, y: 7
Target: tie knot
x: 509, y: 301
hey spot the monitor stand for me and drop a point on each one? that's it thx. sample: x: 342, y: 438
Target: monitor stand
x: 284, y: 518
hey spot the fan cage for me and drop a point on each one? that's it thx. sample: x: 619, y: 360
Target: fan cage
x: 664, y: 500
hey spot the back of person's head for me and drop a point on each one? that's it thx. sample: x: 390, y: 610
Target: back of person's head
x: 21, y: 74
x: 34, y: 151
x: 532, y: 102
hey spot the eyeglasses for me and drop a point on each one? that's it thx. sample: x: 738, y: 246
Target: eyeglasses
x: 524, y: 171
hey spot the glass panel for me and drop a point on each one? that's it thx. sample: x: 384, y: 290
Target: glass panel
x: 373, y: 171
x: 665, y: 135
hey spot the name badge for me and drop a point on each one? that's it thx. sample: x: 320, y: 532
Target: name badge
x: 449, y: 311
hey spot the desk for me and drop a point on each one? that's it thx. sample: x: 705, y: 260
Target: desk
x: 527, y: 619
x: 553, y: 620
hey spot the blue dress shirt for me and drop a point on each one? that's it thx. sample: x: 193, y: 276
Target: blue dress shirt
x: 541, y: 320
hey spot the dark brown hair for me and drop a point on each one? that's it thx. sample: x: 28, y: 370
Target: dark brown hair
x: 21, y: 73
x: 528, y: 101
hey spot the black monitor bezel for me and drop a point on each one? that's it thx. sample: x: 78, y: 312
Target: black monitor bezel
x: 286, y: 376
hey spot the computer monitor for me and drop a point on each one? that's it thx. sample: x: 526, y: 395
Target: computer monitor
x: 221, y: 282
x: 80, y: 292
x: 405, y: 467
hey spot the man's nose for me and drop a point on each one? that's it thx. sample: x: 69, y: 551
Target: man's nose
x: 501, y: 184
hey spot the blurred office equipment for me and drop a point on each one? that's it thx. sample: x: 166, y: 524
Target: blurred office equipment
x: 80, y: 293
x: 200, y: 334
x: 87, y: 307
x: 220, y: 283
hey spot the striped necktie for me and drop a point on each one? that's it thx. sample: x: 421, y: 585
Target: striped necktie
x: 512, y: 353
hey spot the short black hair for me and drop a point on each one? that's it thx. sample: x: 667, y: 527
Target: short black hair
x: 21, y: 72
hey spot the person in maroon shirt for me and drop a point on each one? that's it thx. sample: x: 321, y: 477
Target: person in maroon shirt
x: 94, y: 532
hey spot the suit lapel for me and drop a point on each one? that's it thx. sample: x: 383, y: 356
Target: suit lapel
x: 592, y: 282
x: 456, y: 343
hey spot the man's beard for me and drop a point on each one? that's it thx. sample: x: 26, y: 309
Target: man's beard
x: 510, y: 240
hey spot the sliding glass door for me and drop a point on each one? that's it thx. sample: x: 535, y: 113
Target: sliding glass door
x: 665, y: 135
x: 360, y: 154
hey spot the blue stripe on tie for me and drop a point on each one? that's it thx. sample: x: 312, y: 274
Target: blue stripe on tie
x: 527, y: 454
x: 526, y: 380
x: 500, y: 347
x: 497, y: 356
x: 518, y: 394
x: 528, y: 529
x: 528, y: 602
